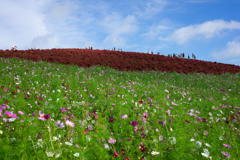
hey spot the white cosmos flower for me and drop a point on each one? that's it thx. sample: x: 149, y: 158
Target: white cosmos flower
x: 76, y: 154
x: 11, y: 119
x: 208, y: 145
x: 88, y: 138
x: 50, y: 154
x: 198, y: 144
x: 58, y: 153
x: 55, y: 139
x: 154, y: 153
x: 68, y: 143
x: 173, y: 140
x: 206, y: 153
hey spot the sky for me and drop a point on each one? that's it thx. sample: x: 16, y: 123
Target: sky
x: 208, y: 28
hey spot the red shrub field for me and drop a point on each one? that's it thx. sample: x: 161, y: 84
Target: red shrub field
x: 119, y: 60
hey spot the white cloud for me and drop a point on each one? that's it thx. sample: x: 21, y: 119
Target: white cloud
x: 232, y: 51
x: 150, y: 8
x: 160, y: 28
x: 155, y: 30
x: 21, y: 22
x: 60, y: 10
x: 116, y: 27
x: 44, y: 42
x: 208, y: 30
x: 54, y: 24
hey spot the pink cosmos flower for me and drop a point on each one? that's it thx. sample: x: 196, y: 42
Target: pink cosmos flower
x: 20, y: 112
x: 168, y: 112
x: 10, y: 114
x: 111, y: 141
x: 123, y: 117
x: 174, y: 104
x: 1, y: 108
x: 205, y: 132
x: 225, y: 145
x: 160, y: 138
x: 69, y: 123
x: 226, y: 154
x: 77, y: 146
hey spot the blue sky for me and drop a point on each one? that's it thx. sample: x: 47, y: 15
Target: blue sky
x: 208, y: 28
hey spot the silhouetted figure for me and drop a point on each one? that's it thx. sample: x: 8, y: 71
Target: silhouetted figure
x: 193, y: 56
x: 188, y: 56
x: 14, y: 48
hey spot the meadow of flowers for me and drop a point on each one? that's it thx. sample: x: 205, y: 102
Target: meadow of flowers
x: 50, y: 111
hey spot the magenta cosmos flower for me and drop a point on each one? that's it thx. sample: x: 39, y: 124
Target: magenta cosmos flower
x: 43, y: 117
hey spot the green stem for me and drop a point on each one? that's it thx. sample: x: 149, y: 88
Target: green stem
x: 166, y: 124
x: 34, y: 148
x: 50, y: 136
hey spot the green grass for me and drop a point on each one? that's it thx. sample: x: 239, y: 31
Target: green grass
x: 131, y: 108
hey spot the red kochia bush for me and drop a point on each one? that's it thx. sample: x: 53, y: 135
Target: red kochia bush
x: 130, y: 61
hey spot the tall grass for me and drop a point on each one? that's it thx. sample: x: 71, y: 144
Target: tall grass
x: 53, y: 111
